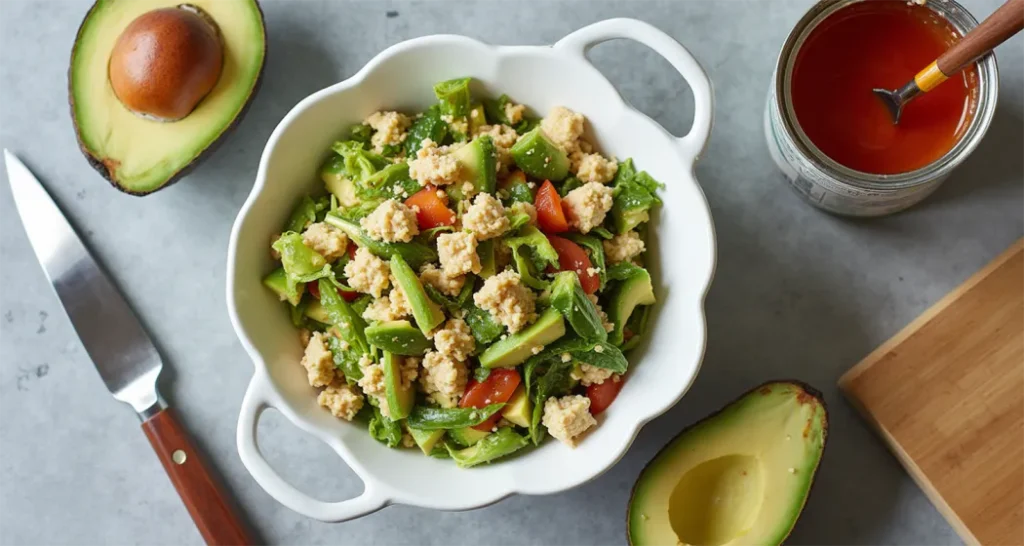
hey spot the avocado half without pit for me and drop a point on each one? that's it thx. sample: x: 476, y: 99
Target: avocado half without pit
x: 155, y: 84
x: 740, y: 476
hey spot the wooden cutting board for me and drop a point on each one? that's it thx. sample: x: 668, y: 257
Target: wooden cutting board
x: 947, y: 395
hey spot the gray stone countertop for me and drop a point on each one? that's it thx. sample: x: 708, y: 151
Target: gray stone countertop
x: 798, y: 293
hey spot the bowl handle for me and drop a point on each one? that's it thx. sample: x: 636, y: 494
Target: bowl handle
x: 579, y: 42
x: 257, y: 398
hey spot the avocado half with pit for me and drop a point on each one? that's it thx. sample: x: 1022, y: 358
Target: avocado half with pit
x: 155, y: 84
x: 740, y: 476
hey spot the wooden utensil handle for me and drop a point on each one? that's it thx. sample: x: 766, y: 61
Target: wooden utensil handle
x: 205, y: 501
x: 1003, y: 23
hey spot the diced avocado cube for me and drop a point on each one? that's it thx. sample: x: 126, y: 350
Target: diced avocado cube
x: 477, y: 118
x: 478, y: 165
x: 400, y: 400
x: 516, y: 348
x: 427, y: 312
x: 399, y: 337
x: 426, y: 439
x: 467, y: 436
x: 333, y: 176
x: 315, y: 310
x: 277, y: 281
x: 539, y: 157
x: 625, y: 220
x: 629, y: 293
x: 518, y: 410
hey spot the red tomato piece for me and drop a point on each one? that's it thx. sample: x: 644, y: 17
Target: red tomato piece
x: 431, y: 211
x: 348, y: 295
x: 351, y: 250
x: 496, y: 389
x: 550, y: 216
x: 572, y: 257
x: 601, y: 396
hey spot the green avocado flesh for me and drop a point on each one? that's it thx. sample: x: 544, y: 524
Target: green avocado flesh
x: 399, y: 337
x: 516, y: 348
x: 740, y: 476
x: 139, y: 155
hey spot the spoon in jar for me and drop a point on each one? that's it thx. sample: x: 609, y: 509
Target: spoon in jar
x: 999, y: 27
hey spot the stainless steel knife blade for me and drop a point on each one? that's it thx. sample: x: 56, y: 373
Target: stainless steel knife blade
x: 118, y: 346
x: 121, y: 351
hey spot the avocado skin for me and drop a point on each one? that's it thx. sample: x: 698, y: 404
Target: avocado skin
x: 97, y: 163
x: 807, y: 390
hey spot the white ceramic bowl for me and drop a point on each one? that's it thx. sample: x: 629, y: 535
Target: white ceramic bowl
x: 401, y: 78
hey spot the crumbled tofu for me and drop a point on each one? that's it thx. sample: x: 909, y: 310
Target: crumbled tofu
x: 568, y: 417
x: 342, y: 399
x: 519, y: 207
x: 589, y: 375
x: 457, y: 252
x: 595, y: 168
x: 391, y: 222
x: 444, y: 378
x: 608, y: 326
x: 304, y: 336
x: 389, y: 129
x: 502, y: 255
x: 514, y: 112
x: 564, y: 127
x: 379, y: 310
x: 400, y: 306
x: 450, y: 285
x: 433, y: 165
x: 587, y: 205
x: 456, y: 125
x: 502, y: 135
x: 507, y: 300
x: 455, y: 339
x: 623, y: 247
x: 407, y: 440
x: 485, y: 217
x: 325, y: 239
x: 318, y: 361
x: 394, y: 306
x: 372, y: 381
x: 367, y: 273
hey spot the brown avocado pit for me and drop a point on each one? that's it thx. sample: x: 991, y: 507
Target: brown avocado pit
x: 166, y: 61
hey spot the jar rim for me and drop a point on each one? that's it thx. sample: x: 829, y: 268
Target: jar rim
x: 987, y: 95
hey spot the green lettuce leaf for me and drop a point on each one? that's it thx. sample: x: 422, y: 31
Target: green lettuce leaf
x: 433, y: 418
x: 428, y: 126
x: 384, y: 430
x: 569, y: 298
x: 493, y: 446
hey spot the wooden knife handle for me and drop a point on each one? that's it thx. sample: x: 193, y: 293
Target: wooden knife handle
x: 204, y: 499
x: 1003, y: 23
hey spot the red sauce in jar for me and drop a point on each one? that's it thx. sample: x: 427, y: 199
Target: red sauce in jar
x: 878, y: 43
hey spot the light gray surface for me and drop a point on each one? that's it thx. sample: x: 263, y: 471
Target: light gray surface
x: 797, y: 294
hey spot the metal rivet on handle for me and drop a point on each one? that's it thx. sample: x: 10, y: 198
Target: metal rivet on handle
x: 179, y: 457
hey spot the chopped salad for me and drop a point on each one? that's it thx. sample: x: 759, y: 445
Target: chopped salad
x: 472, y: 279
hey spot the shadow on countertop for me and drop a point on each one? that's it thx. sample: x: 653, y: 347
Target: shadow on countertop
x: 998, y: 156
x: 296, y: 66
x: 768, y: 320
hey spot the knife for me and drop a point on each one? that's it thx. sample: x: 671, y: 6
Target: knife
x: 121, y: 351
